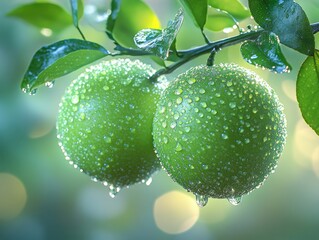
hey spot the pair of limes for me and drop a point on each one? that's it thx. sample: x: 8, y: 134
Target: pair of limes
x: 217, y: 131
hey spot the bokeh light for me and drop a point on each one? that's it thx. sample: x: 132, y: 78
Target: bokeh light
x: 13, y: 196
x: 175, y: 212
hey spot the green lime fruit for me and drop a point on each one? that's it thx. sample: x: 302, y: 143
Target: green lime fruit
x: 219, y: 131
x: 105, y: 120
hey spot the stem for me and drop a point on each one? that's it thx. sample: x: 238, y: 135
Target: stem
x: 315, y: 27
x: 188, y: 55
x: 81, y: 33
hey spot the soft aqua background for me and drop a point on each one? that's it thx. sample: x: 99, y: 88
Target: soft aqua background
x: 64, y: 204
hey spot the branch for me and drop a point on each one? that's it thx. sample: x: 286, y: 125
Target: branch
x: 188, y: 55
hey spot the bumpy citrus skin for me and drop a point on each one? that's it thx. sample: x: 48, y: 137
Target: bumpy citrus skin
x: 105, y: 122
x: 219, y: 131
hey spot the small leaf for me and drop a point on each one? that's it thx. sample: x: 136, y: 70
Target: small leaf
x: 77, y: 12
x: 133, y: 16
x: 233, y: 7
x: 308, y: 91
x: 110, y: 22
x: 159, y: 42
x: 43, y: 15
x: 265, y: 51
x: 197, y: 9
x: 218, y: 20
x: 288, y: 20
x: 59, y: 59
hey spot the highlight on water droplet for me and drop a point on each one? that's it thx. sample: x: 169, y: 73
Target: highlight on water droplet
x: 114, y: 191
x: 235, y: 200
x: 178, y: 147
x: 148, y: 181
x: 201, y: 200
x: 75, y: 99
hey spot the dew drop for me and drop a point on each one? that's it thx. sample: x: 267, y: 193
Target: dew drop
x: 229, y: 84
x: 107, y: 139
x: 179, y: 100
x: 164, y: 124
x: 191, y: 81
x: 178, y: 91
x: 187, y: 129
x: 49, y: 84
x: 33, y: 92
x: 162, y: 110
x: 75, y: 99
x: 235, y: 200
x: 106, y: 88
x: 203, y: 104
x: 232, y: 104
x: 201, y: 200
x: 178, y: 147
x: 202, y: 91
x: 224, y: 136
x: 165, y: 140
x: 148, y: 181
x: 173, y: 125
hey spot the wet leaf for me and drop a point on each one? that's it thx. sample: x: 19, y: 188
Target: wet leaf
x: 197, y: 9
x: 218, y: 20
x: 115, y: 8
x: 265, y: 52
x: 43, y: 15
x: 288, y: 20
x: 159, y: 42
x: 308, y: 91
x: 133, y: 16
x: 233, y: 7
x: 58, y: 59
x: 77, y: 11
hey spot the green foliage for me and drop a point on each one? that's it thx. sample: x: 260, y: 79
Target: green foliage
x: 265, y: 51
x: 234, y: 7
x: 132, y: 16
x: 159, y: 42
x: 197, y: 9
x: 288, y: 20
x: 308, y: 91
x: 58, y: 59
x: 43, y: 15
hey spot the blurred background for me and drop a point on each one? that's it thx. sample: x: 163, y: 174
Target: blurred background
x: 43, y: 197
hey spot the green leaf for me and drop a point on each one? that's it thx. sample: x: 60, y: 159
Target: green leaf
x: 218, y: 20
x: 133, y: 16
x: 58, y: 59
x: 159, y: 42
x: 265, y: 52
x: 197, y: 9
x: 233, y: 7
x: 77, y: 11
x: 288, y: 20
x: 43, y: 15
x: 110, y: 22
x: 308, y: 91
